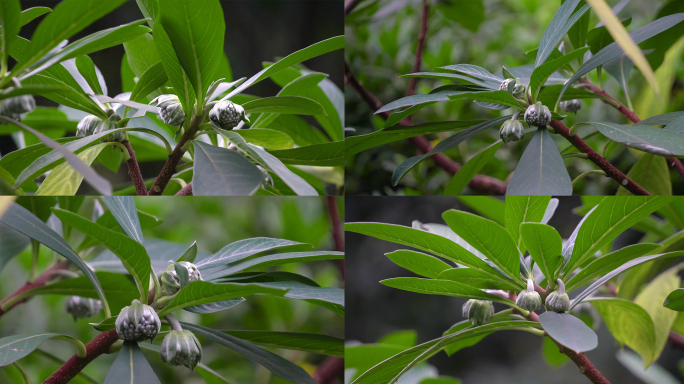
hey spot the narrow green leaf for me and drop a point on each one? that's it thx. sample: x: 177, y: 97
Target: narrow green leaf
x: 214, y: 307
x: 10, y: 23
x: 664, y: 119
x: 542, y: 72
x: 494, y: 81
x: 87, y: 69
x: 279, y: 259
x: 470, y: 169
x: 568, y: 330
x: 131, y: 366
x: 242, y: 249
x: 657, y: 141
x: 652, y: 173
x: 268, y: 138
x: 321, y: 155
x: 675, y: 300
x: 293, y: 105
x: 490, y: 207
x: 524, y: 209
x: 307, y: 342
x: 559, y: 25
x: 190, y: 254
x: 126, y: 214
x: 418, y: 263
x: 64, y: 180
x: 13, y: 348
x: 441, y: 287
x: 30, y: 14
x: 222, y: 172
x: 544, y: 244
x: 477, y: 279
x: 107, y: 324
x: 153, y: 78
x: 177, y: 76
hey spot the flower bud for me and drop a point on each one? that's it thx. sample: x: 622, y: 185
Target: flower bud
x: 170, y: 109
x: 137, y: 322
x: 180, y: 348
x: 538, y: 115
x: 558, y: 300
x: 15, y: 106
x: 571, y: 106
x: 512, y: 130
x: 170, y: 283
x: 87, y: 125
x: 80, y: 307
x: 478, y: 311
x: 227, y: 115
x: 92, y: 125
x: 109, y: 125
x: 529, y: 299
x: 518, y: 89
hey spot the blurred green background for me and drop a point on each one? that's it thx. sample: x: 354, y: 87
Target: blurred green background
x: 213, y: 223
x: 381, y: 42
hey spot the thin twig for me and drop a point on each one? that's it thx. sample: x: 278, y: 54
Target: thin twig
x: 41, y: 280
x: 185, y: 191
x: 419, y: 51
x: 134, y: 170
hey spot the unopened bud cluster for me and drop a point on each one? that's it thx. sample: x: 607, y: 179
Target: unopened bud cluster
x: 538, y: 115
x: 571, y: 106
x: 478, y: 311
x: 170, y: 109
x: 529, y: 299
x: 15, y: 106
x: 514, y: 87
x: 181, y: 348
x: 137, y: 322
x: 558, y: 300
x: 170, y: 282
x: 82, y: 307
x: 93, y: 125
x: 227, y: 115
x: 512, y: 130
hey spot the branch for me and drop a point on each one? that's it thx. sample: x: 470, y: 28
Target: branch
x: 41, y: 280
x: 676, y: 163
x: 479, y: 182
x: 96, y: 347
x: 599, y: 160
x: 419, y: 51
x: 134, y: 170
x: 329, y: 370
x: 185, y: 191
x: 336, y: 229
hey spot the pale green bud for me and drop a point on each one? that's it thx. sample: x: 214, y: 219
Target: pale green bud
x: 180, y: 348
x: 538, y: 115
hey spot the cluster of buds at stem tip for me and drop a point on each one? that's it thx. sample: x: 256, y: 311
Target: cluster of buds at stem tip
x: 538, y: 115
x: 15, y: 106
x: 478, y: 311
x: 513, y: 87
x: 529, y: 299
x: 571, y: 106
x: 170, y: 282
x: 81, y: 307
x: 181, y: 348
x: 170, y: 109
x: 92, y: 125
x: 227, y: 115
x: 137, y: 322
x: 558, y: 300
x: 512, y: 130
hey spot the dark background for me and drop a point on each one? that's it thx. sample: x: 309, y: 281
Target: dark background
x: 374, y: 310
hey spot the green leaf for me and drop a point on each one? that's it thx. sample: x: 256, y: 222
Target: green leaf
x: 30, y: 14
x: 177, y: 76
x: 470, y: 169
x: 131, y: 253
x: 425, y: 241
x: 652, y: 173
x: 278, y: 259
x: 356, y: 144
x: 196, y: 31
x: 542, y: 72
x: 149, y: 9
x: 307, y: 342
x: 214, y: 307
x: 477, y: 279
x: 389, y: 370
x: 223, y: 172
x: 675, y: 300
x: 629, y: 324
x: 648, y: 139
x: 203, y: 292
x: 552, y: 354
x: 559, y: 25
x: 268, y: 138
x: 488, y: 206
x: 551, y: 93
x: 326, y: 297
x: 10, y: 13
x: 613, y: 50
x: 607, y: 263
x: 66, y: 20
x: 487, y: 77
x: 190, y: 254
x: 444, y: 145
x: 274, y: 363
x: 11, y: 244
x: 271, y: 163
x: 321, y: 155
x: 655, y: 374
x: 488, y: 237
x: 469, y: 13
x: 599, y: 37
x: 64, y: 180
x: 126, y: 214
x: 441, y: 287
x: 544, y: 244
x: 320, y: 48
x: 131, y: 366
x: 568, y: 330
x: 13, y: 348
x: 141, y: 53
x: 298, y: 129
x: 495, y: 97
x: 21, y: 220
x: 242, y: 249
x: 418, y: 263
x: 541, y: 170
x: 578, y: 32
x: 107, y: 324
x: 663, y: 119
x: 86, y: 68
x: 153, y: 78
x: 524, y: 209
x: 651, y: 299
x: 293, y: 105
x: 610, y: 218
x: 620, y: 68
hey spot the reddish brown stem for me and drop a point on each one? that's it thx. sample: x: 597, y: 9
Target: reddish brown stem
x: 419, y: 51
x: 336, y: 229
x: 96, y: 347
x: 330, y: 369
x: 676, y: 340
x: 599, y: 160
x: 479, y: 182
x: 134, y: 170
x: 174, y: 158
x: 41, y: 280
x: 674, y: 162
x: 185, y: 191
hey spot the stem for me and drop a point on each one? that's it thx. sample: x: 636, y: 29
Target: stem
x: 24, y: 375
x: 96, y: 347
x: 599, y: 160
x: 57, y: 360
x: 186, y: 190
x: 134, y: 170
x: 576, y: 154
x: 587, y: 173
x: 419, y: 51
x: 329, y: 370
x: 173, y: 322
x: 41, y: 280
x: 336, y: 229
x: 35, y: 251
x: 80, y: 348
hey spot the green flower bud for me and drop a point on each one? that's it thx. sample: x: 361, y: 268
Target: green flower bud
x: 529, y: 299
x: 170, y: 109
x: 538, y: 115
x: 478, y: 311
x: 571, y: 106
x: 180, y: 348
x: 170, y: 283
x: 92, y: 125
x: 227, y: 115
x: 137, y: 322
x: 558, y: 301
x: 109, y: 125
x: 512, y: 130
x: 518, y: 90
x: 15, y: 106
x: 80, y: 307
